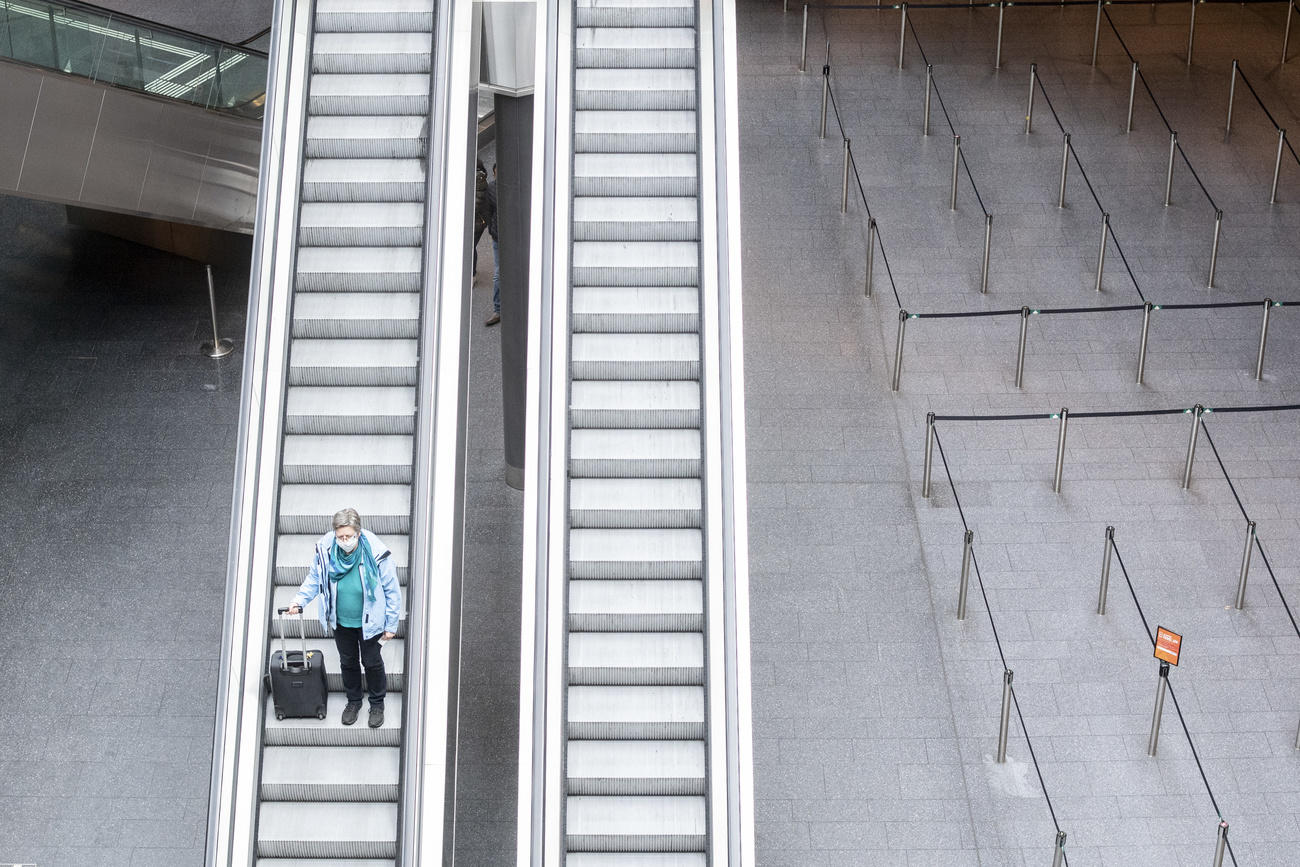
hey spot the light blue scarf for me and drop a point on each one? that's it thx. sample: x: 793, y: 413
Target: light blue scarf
x: 340, y: 564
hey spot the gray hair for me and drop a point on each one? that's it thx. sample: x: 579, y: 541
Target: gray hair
x: 347, y: 518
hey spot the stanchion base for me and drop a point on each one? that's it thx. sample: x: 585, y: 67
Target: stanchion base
x: 222, y: 348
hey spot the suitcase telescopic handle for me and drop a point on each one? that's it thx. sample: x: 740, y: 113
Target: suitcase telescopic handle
x: 302, y: 628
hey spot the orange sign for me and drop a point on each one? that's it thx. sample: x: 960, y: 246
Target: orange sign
x: 1168, y: 645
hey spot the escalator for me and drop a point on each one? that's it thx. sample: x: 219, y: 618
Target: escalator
x: 635, y: 710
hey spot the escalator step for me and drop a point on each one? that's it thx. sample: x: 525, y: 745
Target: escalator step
x: 350, y: 410
x: 317, y: 773
x: 358, y: 269
x: 636, y: 263
x: 634, y: 503
x: 369, y: 137
x: 636, y: 658
x: 636, y: 554
x: 363, y: 16
x: 635, y: 713
x: 635, y: 768
x: 635, y: 48
x: 377, y: 180
x: 635, y: 356
x: 353, y: 362
x: 640, y: 132
x: 371, y: 53
x: 296, y: 829
x: 635, y: 175
x: 387, y: 94
x: 306, y: 509
x: 626, y: 218
x: 634, y: 453
x: 330, y: 732
x: 645, y: 404
x: 634, y: 89
x: 361, y: 224
x: 672, y: 823
x: 357, y: 315
x: 656, y: 13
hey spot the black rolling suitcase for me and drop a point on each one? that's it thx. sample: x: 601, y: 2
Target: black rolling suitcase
x: 297, y: 677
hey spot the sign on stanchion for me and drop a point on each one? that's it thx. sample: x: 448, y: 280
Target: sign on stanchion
x: 1168, y: 646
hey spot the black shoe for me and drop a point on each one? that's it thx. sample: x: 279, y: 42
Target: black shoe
x: 492, y: 320
x: 376, y: 715
x: 350, y: 712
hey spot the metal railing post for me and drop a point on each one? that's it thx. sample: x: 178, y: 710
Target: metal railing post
x: 929, y: 85
x: 1101, y: 250
x: 929, y: 455
x: 220, y: 347
x: 1191, y: 445
x: 1132, y: 91
x: 1105, y: 570
x: 1154, y: 740
x: 1277, y: 166
x: 1286, y: 32
x: 826, y: 95
x: 1263, y: 340
x: 803, y: 50
x: 1060, y: 451
x: 1096, y: 33
x: 1297, y: 737
x: 1232, y: 95
x: 956, y: 161
x: 1029, y: 108
x: 1214, y: 246
x: 1142, y: 346
x: 1191, y: 33
x: 997, y: 58
x: 967, y: 541
x: 871, y: 252
x: 988, y: 240
x: 1065, y: 166
x: 844, y: 187
x: 902, y: 35
x: 1058, y: 855
x: 1245, y: 565
x: 1020, y: 351
x: 1004, y: 721
x: 1220, y: 843
x: 898, y: 349
x: 1169, y: 172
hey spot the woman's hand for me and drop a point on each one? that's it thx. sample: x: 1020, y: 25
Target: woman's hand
x: 387, y: 635
x: 293, y: 609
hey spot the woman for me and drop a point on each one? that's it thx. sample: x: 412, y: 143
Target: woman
x: 354, y: 572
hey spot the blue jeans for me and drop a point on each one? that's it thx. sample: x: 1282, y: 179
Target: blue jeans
x: 496, y: 278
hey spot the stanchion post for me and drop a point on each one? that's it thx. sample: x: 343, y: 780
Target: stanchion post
x: 1191, y: 445
x: 929, y: 86
x: 967, y: 541
x: 997, y: 58
x: 1286, y: 32
x: 844, y: 187
x: 1101, y: 250
x: 1191, y: 33
x: 1142, y: 346
x: 1245, y: 565
x: 220, y: 347
x: 1060, y: 451
x: 871, y: 252
x: 1221, y: 843
x: 1020, y: 351
x: 988, y: 240
x: 1004, y: 721
x: 1277, y: 166
x: 1029, y: 107
x: 826, y: 96
x: 803, y: 50
x: 902, y: 35
x: 1214, y: 246
x: 1297, y: 737
x: 898, y: 349
x: 1232, y: 95
x: 1058, y: 855
x: 1263, y: 340
x: 1132, y: 91
x: 1169, y: 172
x: 1065, y: 166
x: 1096, y: 33
x: 929, y: 455
x: 1153, y: 741
x: 1105, y: 570
x: 956, y: 161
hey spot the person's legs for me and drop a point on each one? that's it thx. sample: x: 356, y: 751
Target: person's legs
x: 348, y: 641
x: 496, y: 278
x: 376, y: 677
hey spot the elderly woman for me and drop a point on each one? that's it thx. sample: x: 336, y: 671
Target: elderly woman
x: 354, y: 573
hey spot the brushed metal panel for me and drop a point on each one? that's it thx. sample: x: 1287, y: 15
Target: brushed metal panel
x: 171, y: 186
x: 509, y: 45
x: 228, y: 186
x: 119, y: 158
x: 19, y: 90
x: 62, y: 132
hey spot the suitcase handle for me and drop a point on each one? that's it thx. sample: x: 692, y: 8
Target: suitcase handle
x: 284, y: 650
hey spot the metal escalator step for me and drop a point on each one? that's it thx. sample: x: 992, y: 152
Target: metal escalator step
x: 635, y: 712
x: 366, y: 137
x: 353, y: 315
x: 636, y: 658
x: 330, y: 732
x: 653, y: 132
x: 634, y: 89
x: 672, y: 823
x: 635, y: 47
x: 651, y: 13
x: 634, y: 503
x: 294, y: 555
x: 377, y: 180
x: 350, y: 410
x: 361, y: 224
x: 635, y: 175
x: 634, y: 453
x: 619, y: 553
x: 368, y: 94
x: 353, y: 362
x: 365, y: 16
x: 645, y: 404
x: 635, y: 768
x: 358, y: 269
x: 335, y: 862
x: 636, y: 606
x: 635, y: 356
x: 308, y: 509
x: 636, y: 218
x: 635, y: 309
x: 282, y: 597
x: 636, y: 263
x: 346, y: 460
x: 625, y: 859
x: 296, y: 829
x: 303, y: 773
x: 371, y: 52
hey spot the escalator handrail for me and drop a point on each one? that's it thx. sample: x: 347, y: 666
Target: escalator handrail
x: 91, y: 8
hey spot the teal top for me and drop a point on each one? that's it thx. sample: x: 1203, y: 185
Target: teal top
x: 351, y: 601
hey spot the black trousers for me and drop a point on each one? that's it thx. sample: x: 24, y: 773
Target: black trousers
x: 354, y: 652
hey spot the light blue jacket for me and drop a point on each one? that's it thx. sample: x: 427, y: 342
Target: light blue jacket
x: 380, y: 614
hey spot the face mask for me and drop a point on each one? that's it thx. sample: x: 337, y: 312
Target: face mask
x: 349, y: 545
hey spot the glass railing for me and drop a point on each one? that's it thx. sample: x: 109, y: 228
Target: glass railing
x: 122, y: 51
